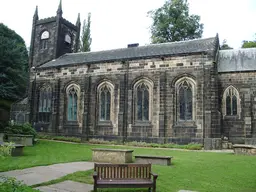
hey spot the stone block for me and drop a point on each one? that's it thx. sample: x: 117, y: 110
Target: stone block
x: 158, y: 160
x: 18, y: 150
x: 212, y: 143
x: 241, y: 149
x: 112, y: 155
x: 207, y: 144
x: 26, y: 140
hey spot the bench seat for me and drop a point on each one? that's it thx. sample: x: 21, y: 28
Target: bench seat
x: 119, y: 183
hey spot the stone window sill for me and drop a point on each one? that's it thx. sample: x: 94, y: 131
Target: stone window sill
x: 71, y: 122
x: 231, y: 117
x: 142, y: 123
x: 189, y: 123
x: 105, y: 123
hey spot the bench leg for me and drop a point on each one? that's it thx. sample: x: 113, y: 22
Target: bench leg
x: 154, y: 188
x: 94, y: 188
x: 149, y: 189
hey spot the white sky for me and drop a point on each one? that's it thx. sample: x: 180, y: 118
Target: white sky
x: 116, y: 23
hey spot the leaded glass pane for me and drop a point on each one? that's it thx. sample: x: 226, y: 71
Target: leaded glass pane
x: 45, y: 102
x: 41, y: 102
x: 139, y: 104
x: 102, y: 105
x: 189, y: 103
x: 49, y: 100
x: 234, y: 105
x: 228, y: 105
x: 108, y: 105
x: 75, y: 107
x: 146, y: 105
x: 182, y: 103
x: 70, y: 106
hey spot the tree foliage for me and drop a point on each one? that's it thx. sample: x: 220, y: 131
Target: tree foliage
x: 172, y: 22
x: 249, y: 44
x: 86, y: 39
x: 13, y: 64
x: 225, y: 45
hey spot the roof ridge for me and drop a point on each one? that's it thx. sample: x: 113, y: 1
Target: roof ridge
x: 146, y: 51
x: 143, y: 46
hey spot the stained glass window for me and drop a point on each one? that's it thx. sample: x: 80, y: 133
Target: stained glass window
x: 142, y: 107
x: 44, y: 108
x: 185, y: 101
x: 231, y: 101
x: 228, y: 105
x: 105, y: 103
x: 72, y: 104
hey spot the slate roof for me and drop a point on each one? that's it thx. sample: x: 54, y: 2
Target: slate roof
x: 237, y: 60
x: 149, y: 51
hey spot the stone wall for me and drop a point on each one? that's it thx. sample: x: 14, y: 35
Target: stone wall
x: 241, y: 126
x: 161, y: 73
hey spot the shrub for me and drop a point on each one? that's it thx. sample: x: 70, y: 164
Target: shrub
x: 23, y: 129
x: 60, y: 138
x: 190, y: 146
x: 12, y: 185
x: 6, y: 149
x: 63, y: 138
x: 101, y: 141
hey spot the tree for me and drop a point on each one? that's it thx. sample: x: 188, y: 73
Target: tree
x: 172, y: 22
x: 249, y: 44
x: 224, y: 45
x: 13, y: 64
x: 86, y: 39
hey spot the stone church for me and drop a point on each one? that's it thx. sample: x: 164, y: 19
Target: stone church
x: 180, y: 92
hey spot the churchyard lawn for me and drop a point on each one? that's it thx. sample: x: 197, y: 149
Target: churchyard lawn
x: 191, y: 170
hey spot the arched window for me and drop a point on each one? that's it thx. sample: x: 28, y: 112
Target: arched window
x: 231, y: 104
x: 143, y: 100
x: 105, y: 95
x: 20, y: 118
x: 72, y: 102
x: 68, y: 39
x: 105, y: 99
x: 44, y: 40
x: 185, y: 103
x: 45, y: 102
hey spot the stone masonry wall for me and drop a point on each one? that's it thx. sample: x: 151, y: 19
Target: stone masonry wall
x: 162, y: 73
x: 243, y: 125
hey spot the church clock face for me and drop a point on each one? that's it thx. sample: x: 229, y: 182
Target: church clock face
x: 45, y: 35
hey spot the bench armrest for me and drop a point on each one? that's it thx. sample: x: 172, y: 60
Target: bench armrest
x: 154, y: 175
x: 95, y: 175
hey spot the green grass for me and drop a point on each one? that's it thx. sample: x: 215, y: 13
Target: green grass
x: 191, y: 170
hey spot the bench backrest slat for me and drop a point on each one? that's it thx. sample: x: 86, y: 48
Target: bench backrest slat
x: 123, y: 171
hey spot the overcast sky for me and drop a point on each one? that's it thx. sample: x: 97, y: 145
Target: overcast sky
x: 116, y: 23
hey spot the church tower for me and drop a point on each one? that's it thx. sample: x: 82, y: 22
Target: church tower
x: 52, y: 37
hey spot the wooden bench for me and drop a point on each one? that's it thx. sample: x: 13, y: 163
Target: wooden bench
x: 158, y: 160
x: 124, y: 176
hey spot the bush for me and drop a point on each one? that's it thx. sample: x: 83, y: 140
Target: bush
x: 190, y: 146
x: 6, y: 149
x: 12, y: 185
x: 60, y: 138
x: 101, y: 141
x: 23, y: 129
